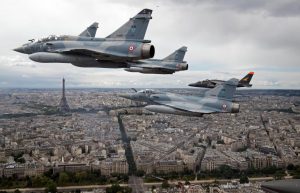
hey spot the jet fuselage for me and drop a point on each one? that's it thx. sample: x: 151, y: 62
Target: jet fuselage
x: 62, y: 50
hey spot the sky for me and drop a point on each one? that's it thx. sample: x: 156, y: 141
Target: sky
x: 225, y: 39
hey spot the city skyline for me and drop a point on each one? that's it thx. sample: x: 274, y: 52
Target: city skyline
x: 224, y: 40
x: 109, y: 135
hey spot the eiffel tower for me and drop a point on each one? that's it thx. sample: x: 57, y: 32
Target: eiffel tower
x: 63, y: 105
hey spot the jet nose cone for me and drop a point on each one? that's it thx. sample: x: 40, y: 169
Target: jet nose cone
x: 20, y: 49
x: 127, y: 96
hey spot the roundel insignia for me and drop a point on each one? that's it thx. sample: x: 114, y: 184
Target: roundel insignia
x: 224, y: 106
x: 131, y: 48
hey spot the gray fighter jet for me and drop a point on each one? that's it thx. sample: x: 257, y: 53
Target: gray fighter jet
x: 121, y: 48
x: 244, y: 82
x: 216, y: 100
x: 170, y: 64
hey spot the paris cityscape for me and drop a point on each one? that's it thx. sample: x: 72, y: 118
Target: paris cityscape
x: 79, y: 133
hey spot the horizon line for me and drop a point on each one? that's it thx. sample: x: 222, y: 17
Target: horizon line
x: 43, y: 88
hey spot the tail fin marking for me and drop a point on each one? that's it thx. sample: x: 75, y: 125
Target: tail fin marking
x: 135, y: 28
x: 247, y: 78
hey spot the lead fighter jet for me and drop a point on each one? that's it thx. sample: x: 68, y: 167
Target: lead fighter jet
x: 216, y: 100
x: 125, y: 45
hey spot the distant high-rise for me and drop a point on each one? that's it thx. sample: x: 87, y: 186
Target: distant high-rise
x: 63, y: 105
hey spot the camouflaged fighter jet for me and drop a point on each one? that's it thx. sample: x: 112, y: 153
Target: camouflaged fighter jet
x: 169, y: 65
x: 244, y: 82
x: 216, y: 100
x: 117, y: 50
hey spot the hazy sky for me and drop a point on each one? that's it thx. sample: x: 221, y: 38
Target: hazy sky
x: 225, y: 38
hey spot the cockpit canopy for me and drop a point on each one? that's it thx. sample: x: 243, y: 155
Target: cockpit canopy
x: 58, y: 38
x: 147, y: 91
x: 50, y: 38
x: 47, y: 39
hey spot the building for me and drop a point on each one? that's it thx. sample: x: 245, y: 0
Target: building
x: 113, y: 165
x: 34, y: 170
x: 168, y: 166
x: 213, y: 159
x: 14, y: 171
x: 72, y: 167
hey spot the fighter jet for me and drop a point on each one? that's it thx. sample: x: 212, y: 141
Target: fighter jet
x: 170, y: 64
x: 244, y: 82
x: 216, y: 100
x: 282, y: 186
x: 117, y: 50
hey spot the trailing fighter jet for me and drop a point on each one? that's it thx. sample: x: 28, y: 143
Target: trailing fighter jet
x: 244, y: 82
x: 125, y: 45
x: 216, y: 100
x: 170, y: 64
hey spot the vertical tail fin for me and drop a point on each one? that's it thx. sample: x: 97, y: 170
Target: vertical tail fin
x: 246, y: 80
x: 90, y: 31
x: 178, y: 55
x: 135, y: 28
x: 224, y: 90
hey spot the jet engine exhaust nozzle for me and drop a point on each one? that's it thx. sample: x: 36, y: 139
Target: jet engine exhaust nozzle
x: 183, y: 66
x: 235, y: 108
x: 148, y: 51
